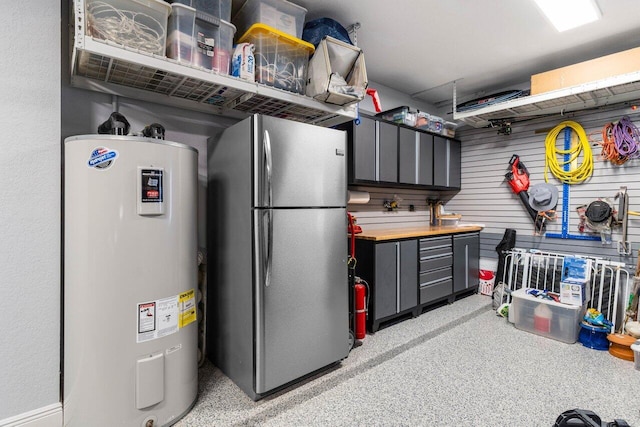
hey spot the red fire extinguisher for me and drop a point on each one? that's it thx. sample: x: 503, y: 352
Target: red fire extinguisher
x: 361, y: 310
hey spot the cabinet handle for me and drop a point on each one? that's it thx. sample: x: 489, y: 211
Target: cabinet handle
x: 377, y: 151
x: 397, y: 277
x: 443, y: 255
x: 417, y: 150
x: 466, y: 267
x: 448, y: 163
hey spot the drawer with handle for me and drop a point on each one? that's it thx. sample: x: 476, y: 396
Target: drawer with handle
x: 436, y: 262
x: 429, y: 277
x: 435, y: 291
x: 435, y: 242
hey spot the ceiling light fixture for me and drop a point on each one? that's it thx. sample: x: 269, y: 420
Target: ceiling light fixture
x: 568, y: 14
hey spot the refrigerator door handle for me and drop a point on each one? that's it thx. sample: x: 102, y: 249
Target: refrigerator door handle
x: 269, y: 247
x: 266, y: 143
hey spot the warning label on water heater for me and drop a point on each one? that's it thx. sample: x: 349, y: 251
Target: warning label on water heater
x: 159, y: 318
x: 187, y: 301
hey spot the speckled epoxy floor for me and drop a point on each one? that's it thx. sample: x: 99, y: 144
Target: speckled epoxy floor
x: 457, y: 365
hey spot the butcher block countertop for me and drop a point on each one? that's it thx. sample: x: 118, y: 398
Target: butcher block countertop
x: 406, y: 232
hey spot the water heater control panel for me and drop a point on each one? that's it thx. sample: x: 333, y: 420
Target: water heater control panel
x: 150, y: 191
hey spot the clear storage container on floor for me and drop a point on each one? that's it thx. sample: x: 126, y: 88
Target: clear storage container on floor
x: 545, y: 317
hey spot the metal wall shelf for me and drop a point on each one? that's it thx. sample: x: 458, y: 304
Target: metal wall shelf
x: 111, y: 68
x: 613, y: 90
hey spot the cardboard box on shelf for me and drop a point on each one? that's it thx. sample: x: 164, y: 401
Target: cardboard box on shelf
x: 612, y: 65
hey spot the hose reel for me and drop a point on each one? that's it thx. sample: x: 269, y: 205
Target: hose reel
x: 602, y: 215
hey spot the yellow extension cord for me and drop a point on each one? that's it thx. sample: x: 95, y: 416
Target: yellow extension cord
x: 551, y: 163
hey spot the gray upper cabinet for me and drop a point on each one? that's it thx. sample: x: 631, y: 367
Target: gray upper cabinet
x: 407, y: 153
x: 425, y: 158
x: 455, y: 168
x: 440, y: 167
x: 446, y: 165
x: 362, y: 149
x: 388, y: 152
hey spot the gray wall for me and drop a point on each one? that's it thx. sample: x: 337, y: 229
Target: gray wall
x: 486, y: 197
x: 30, y: 206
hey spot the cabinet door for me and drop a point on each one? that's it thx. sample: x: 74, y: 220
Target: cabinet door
x: 455, y: 168
x: 387, y: 152
x: 425, y: 158
x: 440, y: 162
x: 408, y: 275
x: 364, y: 150
x: 385, y: 280
x: 407, y: 150
x: 466, y: 261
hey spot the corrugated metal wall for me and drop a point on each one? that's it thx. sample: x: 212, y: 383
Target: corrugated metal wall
x: 487, y: 198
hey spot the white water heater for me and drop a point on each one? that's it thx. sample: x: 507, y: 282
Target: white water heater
x: 130, y: 281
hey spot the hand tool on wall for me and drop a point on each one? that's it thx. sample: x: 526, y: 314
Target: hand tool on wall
x: 518, y: 179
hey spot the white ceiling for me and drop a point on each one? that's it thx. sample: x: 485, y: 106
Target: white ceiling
x: 419, y: 47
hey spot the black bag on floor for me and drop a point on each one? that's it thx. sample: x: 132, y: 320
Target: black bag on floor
x: 508, y: 242
x: 585, y: 418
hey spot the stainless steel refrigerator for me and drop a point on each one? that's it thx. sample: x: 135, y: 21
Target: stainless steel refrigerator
x: 277, y: 298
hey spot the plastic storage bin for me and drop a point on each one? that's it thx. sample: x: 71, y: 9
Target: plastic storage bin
x: 334, y: 62
x: 221, y: 9
x: 436, y: 124
x: 545, y: 317
x: 213, y: 43
x: 422, y: 120
x: 138, y: 24
x: 180, y: 32
x: 400, y: 115
x: 279, y: 14
x: 449, y: 129
x: 635, y: 347
x: 281, y: 60
x: 487, y: 275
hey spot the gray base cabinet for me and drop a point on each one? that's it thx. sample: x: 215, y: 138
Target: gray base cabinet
x: 407, y: 276
x: 466, y: 262
x: 436, y: 269
x: 391, y: 270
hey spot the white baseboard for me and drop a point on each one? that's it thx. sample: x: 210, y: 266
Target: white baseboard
x: 47, y: 416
